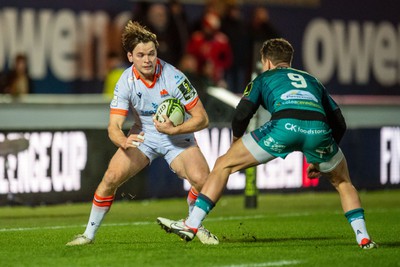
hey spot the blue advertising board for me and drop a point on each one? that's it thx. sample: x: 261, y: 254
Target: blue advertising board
x: 67, y: 165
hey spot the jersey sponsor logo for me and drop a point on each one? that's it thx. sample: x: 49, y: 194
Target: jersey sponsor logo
x: 149, y: 112
x: 187, y: 89
x: 248, y: 89
x: 299, y: 94
x: 324, y: 150
x: 297, y: 129
x: 272, y: 144
x: 301, y: 103
x: 178, y: 78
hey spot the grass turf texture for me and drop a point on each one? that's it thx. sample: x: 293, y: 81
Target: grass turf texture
x: 302, y: 229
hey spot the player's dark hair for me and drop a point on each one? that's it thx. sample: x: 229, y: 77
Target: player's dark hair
x: 277, y: 50
x: 134, y: 33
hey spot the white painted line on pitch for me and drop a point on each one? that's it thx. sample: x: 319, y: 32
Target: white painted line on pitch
x: 69, y: 226
x: 222, y: 218
x: 265, y: 264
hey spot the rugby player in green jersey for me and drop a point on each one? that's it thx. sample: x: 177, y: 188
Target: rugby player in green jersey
x: 304, y: 118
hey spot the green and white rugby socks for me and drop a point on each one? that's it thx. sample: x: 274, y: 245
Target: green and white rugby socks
x: 203, y: 206
x: 357, y: 221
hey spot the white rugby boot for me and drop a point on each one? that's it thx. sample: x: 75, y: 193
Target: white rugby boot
x: 185, y: 232
x: 368, y: 244
x: 80, y: 240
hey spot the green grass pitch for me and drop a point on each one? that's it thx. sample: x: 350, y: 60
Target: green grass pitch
x: 287, y: 229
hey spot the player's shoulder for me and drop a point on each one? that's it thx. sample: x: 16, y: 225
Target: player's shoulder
x: 301, y: 72
x: 170, y: 72
x: 126, y: 74
x: 168, y: 67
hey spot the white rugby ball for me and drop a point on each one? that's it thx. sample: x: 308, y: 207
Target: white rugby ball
x: 174, y: 110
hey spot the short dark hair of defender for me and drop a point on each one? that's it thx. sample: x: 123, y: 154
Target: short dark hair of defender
x: 277, y: 50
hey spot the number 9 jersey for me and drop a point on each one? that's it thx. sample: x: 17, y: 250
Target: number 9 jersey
x: 288, y: 88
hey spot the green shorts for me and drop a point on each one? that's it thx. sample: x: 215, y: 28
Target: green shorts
x: 283, y: 136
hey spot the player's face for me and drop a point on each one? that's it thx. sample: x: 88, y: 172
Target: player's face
x: 144, y: 57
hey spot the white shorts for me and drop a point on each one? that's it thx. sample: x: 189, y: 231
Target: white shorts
x: 168, y: 146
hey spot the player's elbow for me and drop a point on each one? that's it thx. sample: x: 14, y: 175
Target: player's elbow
x: 205, y: 122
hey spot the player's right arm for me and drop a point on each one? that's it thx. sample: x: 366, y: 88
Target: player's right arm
x: 119, y: 108
x: 245, y: 110
x: 117, y: 136
x: 241, y: 117
x: 115, y: 132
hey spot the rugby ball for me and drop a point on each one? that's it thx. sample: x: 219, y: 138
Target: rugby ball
x: 174, y: 110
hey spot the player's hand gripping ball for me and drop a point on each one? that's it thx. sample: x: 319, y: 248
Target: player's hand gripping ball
x: 174, y: 110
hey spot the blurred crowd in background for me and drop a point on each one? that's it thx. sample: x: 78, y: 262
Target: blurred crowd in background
x: 221, y: 48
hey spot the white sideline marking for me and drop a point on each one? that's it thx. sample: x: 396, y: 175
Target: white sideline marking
x: 69, y: 226
x: 265, y: 264
x: 225, y: 218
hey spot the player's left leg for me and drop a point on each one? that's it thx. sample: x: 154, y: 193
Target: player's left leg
x: 350, y: 200
x: 191, y: 198
x: 191, y: 165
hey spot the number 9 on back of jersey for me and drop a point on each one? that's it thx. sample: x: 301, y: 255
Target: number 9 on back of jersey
x: 174, y: 110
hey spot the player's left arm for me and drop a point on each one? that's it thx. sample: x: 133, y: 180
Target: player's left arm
x: 335, y: 118
x: 198, y: 120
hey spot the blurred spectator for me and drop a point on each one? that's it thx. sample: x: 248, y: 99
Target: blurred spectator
x: 158, y: 21
x: 189, y: 66
x: 17, y: 81
x: 212, y: 49
x: 235, y: 27
x: 115, y: 67
x: 179, y: 20
x: 139, y: 10
x: 217, y: 7
x: 261, y: 29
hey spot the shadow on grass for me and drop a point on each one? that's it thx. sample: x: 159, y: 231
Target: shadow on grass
x: 389, y: 244
x: 253, y: 239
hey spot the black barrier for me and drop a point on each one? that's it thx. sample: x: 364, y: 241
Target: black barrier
x: 66, y: 166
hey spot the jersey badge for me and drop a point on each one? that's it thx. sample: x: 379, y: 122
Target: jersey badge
x: 164, y: 93
x: 114, y: 101
x: 248, y: 88
x: 187, y: 89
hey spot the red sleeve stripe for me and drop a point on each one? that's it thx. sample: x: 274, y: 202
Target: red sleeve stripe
x: 192, y: 104
x: 118, y: 111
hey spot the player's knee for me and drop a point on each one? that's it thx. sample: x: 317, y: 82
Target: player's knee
x: 111, y: 179
x: 223, y: 165
x: 335, y: 181
x: 197, y: 180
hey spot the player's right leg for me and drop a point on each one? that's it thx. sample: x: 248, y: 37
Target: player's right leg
x: 191, y: 165
x: 236, y: 158
x: 123, y: 165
